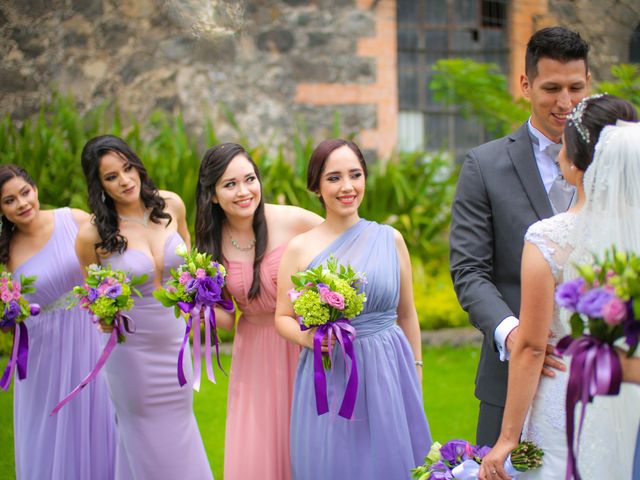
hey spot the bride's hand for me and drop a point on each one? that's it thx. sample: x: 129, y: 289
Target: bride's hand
x: 492, y: 466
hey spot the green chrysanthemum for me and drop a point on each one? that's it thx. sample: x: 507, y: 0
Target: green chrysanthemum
x: 353, y: 302
x: 104, y: 308
x: 311, y: 309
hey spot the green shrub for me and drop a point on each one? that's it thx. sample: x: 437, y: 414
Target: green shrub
x: 435, y: 298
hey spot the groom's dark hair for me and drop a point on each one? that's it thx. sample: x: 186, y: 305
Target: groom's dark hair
x: 556, y: 43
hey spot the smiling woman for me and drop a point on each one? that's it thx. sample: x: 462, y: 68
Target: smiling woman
x: 237, y: 228
x: 136, y: 228
x: 388, y: 404
x: 63, y: 345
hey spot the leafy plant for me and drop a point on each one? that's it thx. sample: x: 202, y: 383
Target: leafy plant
x: 627, y: 84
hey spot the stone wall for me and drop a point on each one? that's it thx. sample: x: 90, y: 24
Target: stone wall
x: 606, y: 24
x: 188, y: 56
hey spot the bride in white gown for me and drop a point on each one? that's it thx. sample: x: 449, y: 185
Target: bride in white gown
x: 535, y: 407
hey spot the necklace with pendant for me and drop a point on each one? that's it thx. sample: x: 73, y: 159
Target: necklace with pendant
x: 144, y: 221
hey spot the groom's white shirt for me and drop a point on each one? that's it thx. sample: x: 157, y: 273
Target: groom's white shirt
x: 548, y: 172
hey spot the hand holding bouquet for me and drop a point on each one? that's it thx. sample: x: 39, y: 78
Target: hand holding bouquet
x: 106, y: 294
x: 195, y: 288
x: 15, y: 309
x: 604, y: 306
x: 327, y: 297
x: 459, y: 459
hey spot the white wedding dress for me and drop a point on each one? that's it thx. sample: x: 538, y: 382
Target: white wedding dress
x: 610, y: 426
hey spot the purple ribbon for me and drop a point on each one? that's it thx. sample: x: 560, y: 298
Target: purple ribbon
x: 595, y: 370
x: 345, y: 334
x: 18, y: 358
x: 210, y: 331
x: 120, y: 326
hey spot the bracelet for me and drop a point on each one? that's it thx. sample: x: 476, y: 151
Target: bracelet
x: 418, y: 363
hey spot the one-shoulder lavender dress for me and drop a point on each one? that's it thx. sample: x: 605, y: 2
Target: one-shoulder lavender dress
x: 388, y: 434
x: 79, y: 441
x: 158, y: 437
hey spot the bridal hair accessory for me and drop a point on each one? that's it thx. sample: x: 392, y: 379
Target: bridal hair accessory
x: 575, y: 116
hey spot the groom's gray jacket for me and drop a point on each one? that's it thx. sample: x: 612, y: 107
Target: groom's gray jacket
x: 499, y: 195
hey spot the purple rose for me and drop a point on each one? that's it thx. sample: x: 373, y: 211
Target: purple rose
x: 568, y: 294
x: 192, y: 285
x: 114, y: 291
x: 34, y: 309
x: 615, y: 311
x: 481, y: 451
x: 456, y: 451
x: 219, y: 279
x: 440, y: 471
x: 333, y: 299
x: 93, y: 294
x: 209, y: 292
x: 12, y: 311
x: 592, y: 302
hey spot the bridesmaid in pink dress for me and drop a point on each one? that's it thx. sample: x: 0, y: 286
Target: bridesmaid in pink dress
x: 136, y: 228
x: 235, y: 225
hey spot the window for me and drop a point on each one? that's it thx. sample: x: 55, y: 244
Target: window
x: 430, y: 30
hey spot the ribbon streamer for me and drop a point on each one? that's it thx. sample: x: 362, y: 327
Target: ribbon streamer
x: 210, y: 332
x: 595, y: 370
x: 19, y: 356
x: 345, y: 341
x: 120, y: 326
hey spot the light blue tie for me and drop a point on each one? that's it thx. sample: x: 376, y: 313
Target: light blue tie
x: 561, y: 192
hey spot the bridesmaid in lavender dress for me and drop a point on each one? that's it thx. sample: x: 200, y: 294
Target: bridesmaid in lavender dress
x: 137, y: 228
x: 79, y: 442
x: 234, y: 224
x: 388, y: 434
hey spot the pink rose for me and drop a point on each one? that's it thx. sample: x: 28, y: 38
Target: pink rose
x: 333, y: 299
x: 200, y: 273
x: 6, y: 296
x: 294, y: 294
x: 184, y: 277
x: 614, y: 312
x: 171, y: 289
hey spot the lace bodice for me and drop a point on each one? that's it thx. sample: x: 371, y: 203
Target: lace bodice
x: 609, y: 426
x: 554, y: 238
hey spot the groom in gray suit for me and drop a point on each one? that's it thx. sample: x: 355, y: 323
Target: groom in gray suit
x: 505, y: 186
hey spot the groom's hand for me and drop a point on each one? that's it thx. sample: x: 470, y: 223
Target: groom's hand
x: 551, y: 362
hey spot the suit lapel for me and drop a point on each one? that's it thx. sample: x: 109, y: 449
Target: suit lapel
x: 521, y: 155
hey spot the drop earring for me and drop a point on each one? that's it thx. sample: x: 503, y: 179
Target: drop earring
x: 0, y: 225
x: 104, y: 198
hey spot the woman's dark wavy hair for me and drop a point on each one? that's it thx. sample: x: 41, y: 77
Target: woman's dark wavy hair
x: 105, y: 216
x: 8, y: 172
x: 210, y: 216
x: 319, y: 158
x: 598, y: 113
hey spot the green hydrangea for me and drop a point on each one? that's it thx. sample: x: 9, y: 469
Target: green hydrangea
x: 311, y: 309
x: 353, y: 302
x: 104, y: 308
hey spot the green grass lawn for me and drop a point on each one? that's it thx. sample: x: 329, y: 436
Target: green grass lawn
x: 448, y: 396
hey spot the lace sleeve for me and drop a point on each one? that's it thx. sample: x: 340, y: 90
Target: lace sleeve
x: 552, y: 237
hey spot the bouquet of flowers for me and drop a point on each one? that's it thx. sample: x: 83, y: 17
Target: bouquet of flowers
x: 604, y: 309
x: 15, y: 309
x: 106, y: 294
x: 460, y: 459
x: 328, y: 297
x: 194, y: 289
